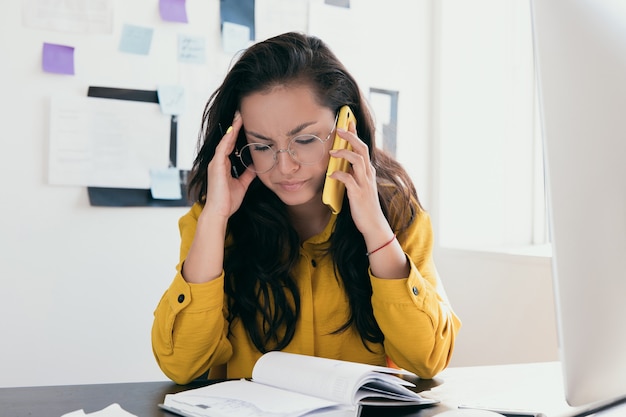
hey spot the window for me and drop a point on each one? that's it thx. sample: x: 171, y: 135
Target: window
x: 488, y: 165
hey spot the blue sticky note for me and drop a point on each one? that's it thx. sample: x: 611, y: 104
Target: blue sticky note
x: 165, y: 184
x: 171, y: 99
x: 136, y: 39
x: 191, y: 49
x: 173, y: 10
x: 58, y: 59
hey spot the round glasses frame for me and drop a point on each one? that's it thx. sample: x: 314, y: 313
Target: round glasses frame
x: 302, y: 141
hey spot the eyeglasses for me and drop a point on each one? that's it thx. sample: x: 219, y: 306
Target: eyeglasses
x: 303, y: 149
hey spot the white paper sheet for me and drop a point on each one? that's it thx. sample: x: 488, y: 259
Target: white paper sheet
x: 106, y: 142
x: 273, y: 17
x: 114, y: 410
x: 76, y: 16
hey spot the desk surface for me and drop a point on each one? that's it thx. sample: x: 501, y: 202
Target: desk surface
x: 534, y: 387
x: 140, y: 399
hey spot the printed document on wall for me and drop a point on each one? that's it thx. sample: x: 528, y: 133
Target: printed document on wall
x: 76, y: 16
x: 102, y: 142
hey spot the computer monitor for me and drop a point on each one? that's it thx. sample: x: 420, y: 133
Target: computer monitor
x: 580, y: 53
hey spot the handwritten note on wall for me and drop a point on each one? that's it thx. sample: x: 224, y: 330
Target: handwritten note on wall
x: 106, y: 143
x: 191, y: 49
x: 76, y: 16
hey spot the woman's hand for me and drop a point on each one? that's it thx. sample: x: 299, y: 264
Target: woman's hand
x: 386, y: 256
x: 224, y: 192
x: 360, y: 182
x: 205, y: 259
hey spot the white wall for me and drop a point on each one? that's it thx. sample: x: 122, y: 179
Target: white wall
x: 505, y: 302
x: 79, y: 283
x: 487, y: 182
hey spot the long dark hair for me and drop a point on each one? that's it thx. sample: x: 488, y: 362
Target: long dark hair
x: 263, y: 247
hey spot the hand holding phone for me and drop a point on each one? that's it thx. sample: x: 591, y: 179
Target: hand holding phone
x: 333, y: 192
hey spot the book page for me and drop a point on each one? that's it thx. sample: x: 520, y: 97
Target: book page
x: 380, y: 392
x: 333, y: 380
x: 245, y: 399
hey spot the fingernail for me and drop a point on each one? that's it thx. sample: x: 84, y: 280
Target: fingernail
x: 237, y: 115
x: 230, y: 128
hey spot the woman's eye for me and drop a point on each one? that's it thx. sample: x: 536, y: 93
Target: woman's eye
x: 305, y: 140
x: 260, y: 148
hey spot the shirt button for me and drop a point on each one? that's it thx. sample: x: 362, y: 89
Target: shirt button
x: 181, y: 298
x: 415, y: 292
x: 313, y: 263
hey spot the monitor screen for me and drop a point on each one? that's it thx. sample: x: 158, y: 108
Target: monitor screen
x: 580, y: 58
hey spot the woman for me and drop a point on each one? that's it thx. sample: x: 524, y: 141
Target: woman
x: 265, y: 265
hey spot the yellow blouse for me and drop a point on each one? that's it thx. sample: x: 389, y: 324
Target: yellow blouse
x: 190, y: 330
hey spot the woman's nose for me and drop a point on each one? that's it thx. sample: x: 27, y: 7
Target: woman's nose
x: 285, y: 161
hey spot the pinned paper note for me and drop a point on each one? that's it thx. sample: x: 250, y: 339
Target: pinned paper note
x: 136, y: 39
x: 235, y: 37
x: 240, y: 12
x: 58, y: 59
x: 165, y: 184
x: 173, y: 10
x: 191, y: 49
x: 100, y: 142
x: 171, y: 99
x: 68, y: 16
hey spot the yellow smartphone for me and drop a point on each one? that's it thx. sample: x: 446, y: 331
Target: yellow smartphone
x: 333, y: 192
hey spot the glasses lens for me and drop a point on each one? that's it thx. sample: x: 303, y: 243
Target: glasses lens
x: 258, y: 157
x: 306, y: 149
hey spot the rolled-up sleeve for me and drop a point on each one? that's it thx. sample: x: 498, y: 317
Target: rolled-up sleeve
x: 413, y: 313
x: 189, y: 332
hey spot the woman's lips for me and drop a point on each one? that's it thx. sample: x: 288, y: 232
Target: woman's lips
x: 291, y: 186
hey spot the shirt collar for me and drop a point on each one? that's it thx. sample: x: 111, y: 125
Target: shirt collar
x: 324, y: 236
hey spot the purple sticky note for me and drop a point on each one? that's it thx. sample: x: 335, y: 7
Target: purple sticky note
x: 173, y: 10
x: 58, y: 59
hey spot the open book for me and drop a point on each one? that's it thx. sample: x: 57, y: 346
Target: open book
x: 291, y: 385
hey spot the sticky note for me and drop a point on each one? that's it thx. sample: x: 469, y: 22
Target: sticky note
x: 191, y: 49
x: 234, y: 37
x: 58, y: 59
x: 173, y: 10
x: 165, y: 184
x: 136, y: 39
x: 171, y: 99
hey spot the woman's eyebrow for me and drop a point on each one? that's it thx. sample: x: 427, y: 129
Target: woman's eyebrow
x: 292, y: 132
x: 299, y: 128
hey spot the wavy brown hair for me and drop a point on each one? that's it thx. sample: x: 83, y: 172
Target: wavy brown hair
x: 263, y: 246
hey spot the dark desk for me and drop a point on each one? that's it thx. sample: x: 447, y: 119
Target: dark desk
x: 140, y: 399
x: 528, y: 386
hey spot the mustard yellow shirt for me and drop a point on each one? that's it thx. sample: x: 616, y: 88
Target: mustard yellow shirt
x: 190, y: 330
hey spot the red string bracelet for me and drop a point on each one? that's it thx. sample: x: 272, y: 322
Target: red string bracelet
x: 383, y: 245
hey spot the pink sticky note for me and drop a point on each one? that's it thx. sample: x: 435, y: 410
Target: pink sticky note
x: 58, y: 59
x: 173, y: 10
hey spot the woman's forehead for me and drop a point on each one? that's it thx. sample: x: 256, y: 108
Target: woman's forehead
x: 282, y: 109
